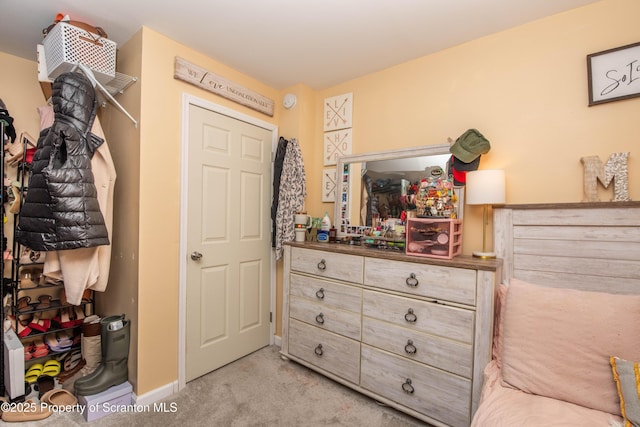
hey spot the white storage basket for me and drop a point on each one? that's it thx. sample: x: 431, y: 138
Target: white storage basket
x: 67, y: 45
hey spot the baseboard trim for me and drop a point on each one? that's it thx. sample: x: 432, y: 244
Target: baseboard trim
x: 277, y: 340
x: 157, y: 394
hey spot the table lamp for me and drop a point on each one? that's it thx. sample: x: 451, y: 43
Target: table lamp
x: 485, y: 187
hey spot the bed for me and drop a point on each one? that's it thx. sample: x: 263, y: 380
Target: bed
x: 567, y: 317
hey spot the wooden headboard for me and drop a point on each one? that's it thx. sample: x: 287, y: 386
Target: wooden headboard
x: 588, y: 246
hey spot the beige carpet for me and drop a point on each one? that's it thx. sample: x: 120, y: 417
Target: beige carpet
x: 260, y: 389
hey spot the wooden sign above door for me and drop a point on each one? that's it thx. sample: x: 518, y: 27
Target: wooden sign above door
x: 211, y: 82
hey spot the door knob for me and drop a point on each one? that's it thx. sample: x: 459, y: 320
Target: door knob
x: 196, y: 256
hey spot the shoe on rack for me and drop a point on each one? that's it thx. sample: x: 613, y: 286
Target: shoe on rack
x: 17, y: 148
x: 24, y: 304
x: 65, y: 319
x: 32, y: 374
x: 40, y: 348
x: 72, y: 363
x: 72, y: 359
x: 79, y: 315
x: 40, y: 324
x: 84, y: 299
x: 44, y: 301
x: 15, y: 151
x: 14, y: 206
x: 22, y: 324
x: 58, y: 342
x: 28, y: 351
x: 30, y: 277
x: 51, y: 368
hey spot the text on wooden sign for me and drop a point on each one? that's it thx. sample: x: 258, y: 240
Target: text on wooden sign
x: 212, y: 82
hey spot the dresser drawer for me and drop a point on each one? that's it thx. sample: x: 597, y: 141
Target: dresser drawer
x: 328, y: 264
x: 430, y: 391
x: 333, y: 353
x: 326, y: 293
x: 432, y: 281
x: 449, y: 355
x: 341, y: 322
x: 423, y: 316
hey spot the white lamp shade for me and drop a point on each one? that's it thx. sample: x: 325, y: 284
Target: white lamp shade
x: 485, y: 187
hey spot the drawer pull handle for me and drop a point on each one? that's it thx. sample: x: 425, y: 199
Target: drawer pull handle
x: 322, y: 265
x: 410, y: 348
x: 410, y: 316
x: 320, y: 318
x: 318, y: 350
x: 412, y: 281
x: 407, y: 387
x: 320, y: 293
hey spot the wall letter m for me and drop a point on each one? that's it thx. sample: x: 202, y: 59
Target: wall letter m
x: 614, y: 170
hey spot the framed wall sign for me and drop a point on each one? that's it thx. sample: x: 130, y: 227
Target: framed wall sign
x: 337, y: 143
x: 329, y: 185
x: 614, y: 74
x: 337, y: 112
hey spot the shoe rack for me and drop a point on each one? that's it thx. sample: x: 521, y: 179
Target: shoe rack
x: 2, y: 287
x: 48, y: 327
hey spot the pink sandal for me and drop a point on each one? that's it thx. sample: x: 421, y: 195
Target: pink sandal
x: 64, y: 319
x: 23, y: 328
x: 40, y: 348
x: 39, y: 324
x: 28, y: 351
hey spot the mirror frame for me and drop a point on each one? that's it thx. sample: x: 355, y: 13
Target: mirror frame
x: 403, y: 153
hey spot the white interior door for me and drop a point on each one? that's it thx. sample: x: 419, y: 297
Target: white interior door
x: 228, y: 240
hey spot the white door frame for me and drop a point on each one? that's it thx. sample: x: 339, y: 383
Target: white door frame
x: 187, y: 100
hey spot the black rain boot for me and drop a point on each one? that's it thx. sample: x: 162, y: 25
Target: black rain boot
x: 115, y: 353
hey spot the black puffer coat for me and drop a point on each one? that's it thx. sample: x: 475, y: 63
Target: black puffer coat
x: 61, y: 209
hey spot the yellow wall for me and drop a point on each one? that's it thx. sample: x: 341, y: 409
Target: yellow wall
x: 21, y: 102
x: 299, y: 123
x: 21, y: 98
x: 121, y: 295
x: 160, y: 141
x: 524, y: 88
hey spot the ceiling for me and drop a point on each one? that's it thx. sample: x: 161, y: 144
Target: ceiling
x: 319, y: 43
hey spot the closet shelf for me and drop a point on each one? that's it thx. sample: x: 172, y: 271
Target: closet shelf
x: 105, y: 90
x: 116, y: 86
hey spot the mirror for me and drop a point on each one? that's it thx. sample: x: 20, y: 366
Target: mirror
x: 378, y: 187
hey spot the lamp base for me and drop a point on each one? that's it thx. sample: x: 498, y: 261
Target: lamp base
x: 484, y: 255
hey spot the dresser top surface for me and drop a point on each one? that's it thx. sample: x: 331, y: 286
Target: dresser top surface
x: 460, y: 261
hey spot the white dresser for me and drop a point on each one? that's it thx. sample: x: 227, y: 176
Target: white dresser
x: 413, y: 333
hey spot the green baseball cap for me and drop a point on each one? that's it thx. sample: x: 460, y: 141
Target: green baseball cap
x: 470, y: 145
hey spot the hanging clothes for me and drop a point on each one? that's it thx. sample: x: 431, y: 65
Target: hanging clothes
x: 277, y: 173
x: 7, y: 120
x: 291, y: 196
x: 84, y: 268
x: 61, y: 209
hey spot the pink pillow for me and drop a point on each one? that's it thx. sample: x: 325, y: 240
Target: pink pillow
x: 557, y: 342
